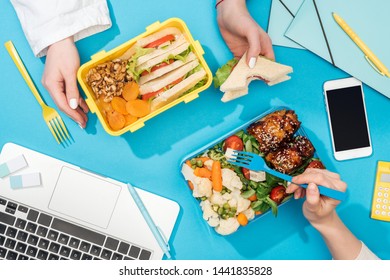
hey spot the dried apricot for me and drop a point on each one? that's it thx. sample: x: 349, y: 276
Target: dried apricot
x: 106, y: 106
x: 130, y: 91
x: 138, y: 107
x: 130, y: 119
x: 119, y: 105
x: 116, y: 120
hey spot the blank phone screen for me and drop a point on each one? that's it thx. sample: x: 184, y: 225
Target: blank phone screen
x: 348, y: 118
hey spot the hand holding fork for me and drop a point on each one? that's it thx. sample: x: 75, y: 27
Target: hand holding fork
x: 256, y: 163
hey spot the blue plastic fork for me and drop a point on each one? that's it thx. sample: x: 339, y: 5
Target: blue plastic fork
x: 256, y: 163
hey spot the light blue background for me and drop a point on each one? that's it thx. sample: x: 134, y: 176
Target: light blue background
x: 150, y: 157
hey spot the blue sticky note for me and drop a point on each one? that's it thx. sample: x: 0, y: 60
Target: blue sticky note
x: 4, y: 170
x: 282, y: 13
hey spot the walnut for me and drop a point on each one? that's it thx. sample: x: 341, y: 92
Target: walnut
x: 108, y: 79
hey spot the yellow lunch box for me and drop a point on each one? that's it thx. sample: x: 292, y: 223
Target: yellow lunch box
x: 103, y: 56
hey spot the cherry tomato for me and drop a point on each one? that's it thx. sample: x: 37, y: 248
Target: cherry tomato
x: 278, y: 193
x: 233, y: 142
x: 246, y: 173
x: 160, y: 41
x: 316, y: 164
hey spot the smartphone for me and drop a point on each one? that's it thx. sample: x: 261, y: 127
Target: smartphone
x: 344, y: 99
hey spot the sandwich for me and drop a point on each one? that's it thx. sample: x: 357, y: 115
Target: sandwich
x: 234, y: 77
x: 164, y: 66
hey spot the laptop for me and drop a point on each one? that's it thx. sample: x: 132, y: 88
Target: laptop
x: 76, y: 214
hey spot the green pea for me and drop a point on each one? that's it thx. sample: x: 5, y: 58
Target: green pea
x: 203, y: 198
x: 220, y: 211
x: 199, y: 163
x: 226, y: 206
x: 193, y: 161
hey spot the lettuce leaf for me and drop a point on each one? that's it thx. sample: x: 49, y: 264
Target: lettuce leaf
x: 199, y: 84
x: 196, y: 69
x: 132, y: 63
x: 181, y: 56
x: 223, y: 72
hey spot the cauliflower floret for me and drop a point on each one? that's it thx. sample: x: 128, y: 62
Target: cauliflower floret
x: 233, y: 202
x: 249, y: 213
x: 227, y: 226
x: 202, y: 187
x: 217, y: 198
x: 227, y: 196
x: 242, y: 203
x: 209, y: 214
x: 230, y: 179
x: 208, y: 164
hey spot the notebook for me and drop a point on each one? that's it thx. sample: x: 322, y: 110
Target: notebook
x: 83, y: 205
x: 315, y: 29
x: 281, y: 15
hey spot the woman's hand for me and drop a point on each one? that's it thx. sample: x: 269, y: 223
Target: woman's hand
x: 59, y: 78
x: 318, y: 210
x: 242, y: 33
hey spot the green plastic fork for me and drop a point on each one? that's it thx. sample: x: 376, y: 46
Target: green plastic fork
x: 50, y: 115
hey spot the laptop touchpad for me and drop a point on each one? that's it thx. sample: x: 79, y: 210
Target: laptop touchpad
x: 85, y: 196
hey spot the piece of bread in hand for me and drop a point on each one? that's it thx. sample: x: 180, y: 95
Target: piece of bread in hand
x: 236, y: 85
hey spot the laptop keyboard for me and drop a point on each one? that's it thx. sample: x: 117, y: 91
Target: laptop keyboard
x: 26, y: 233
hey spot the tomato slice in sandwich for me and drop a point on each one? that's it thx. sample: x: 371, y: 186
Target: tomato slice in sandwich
x: 158, y: 66
x: 149, y: 95
x: 160, y: 41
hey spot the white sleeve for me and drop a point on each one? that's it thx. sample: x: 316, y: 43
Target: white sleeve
x: 45, y: 22
x: 366, y: 254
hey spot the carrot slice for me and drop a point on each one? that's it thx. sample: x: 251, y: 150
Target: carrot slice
x: 119, y: 105
x: 216, y: 176
x: 138, y: 107
x: 253, y: 197
x: 202, y: 172
x: 188, y: 162
x: 130, y: 91
x: 242, y: 219
x: 130, y: 119
x: 116, y: 120
x: 191, y: 185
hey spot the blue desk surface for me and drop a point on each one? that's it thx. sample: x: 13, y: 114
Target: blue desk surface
x: 150, y: 157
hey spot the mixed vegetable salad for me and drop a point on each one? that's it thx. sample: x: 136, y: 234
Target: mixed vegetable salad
x: 231, y: 196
